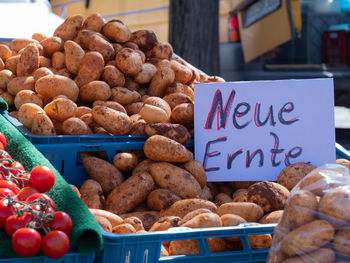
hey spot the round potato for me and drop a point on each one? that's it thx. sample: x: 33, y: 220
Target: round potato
x: 133, y: 108
x: 27, y: 96
x: 94, y: 22
x: 58, y: 60
x: 148, y: 218
x: 128, y: 61
x: 197, y: 170
x: 61, y: 109
x: 194, y: 213
x: 42, y: 124
x: 38, y: 36
x: 82, y: 110
x: 26, y: 113
x: 135, y: 222
x: 125, y: 161
x: 17, y: 84
x: 113, y: 76
x: 145, y: 39
x: 182, y: 73
x: 260, y: 241
x: 11, y: 63
x: 95, y: 90
x: 8, y: 98
x: 272, y: 218
x: 51, y: 45
x: 153, y: 114
x: 158, y: 102
x: 44, y: 62
x: 176, y: 132
x: 166, y: 222
x: 138, y: 128
x: 177, y: 98
x: 75, y: 126
x: 5, y: 52
x: 240, y: 195
x: 91, y: 68
x: 5, y: 76
x: 161, y: 50
x: 161, y: 199
x: 222, y: 198
x: 69, y: 28
x: 18, y: 43
x: 177, y: 87
x: 183, y: 114
x: 91, y: 194
x: 116, y: 31
x: 41, y: 72
x: 146, y: 74
x: 124, y: 228
x: 124, y: 96
x: 160, y: 81
x: 74, y: 55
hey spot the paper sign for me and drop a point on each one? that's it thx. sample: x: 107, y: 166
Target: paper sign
x: 250, y: 131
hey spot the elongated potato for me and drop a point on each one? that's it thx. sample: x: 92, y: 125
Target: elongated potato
x: 160, y: 81
x: 124, y: 96
x: 116, y: 31
x: 197, y: 170
x: 103, y: 172
x: 94, y: 22
x: 91, y: 194
x: 146, y: 74
x: 135, y: 222
x: 148, y: 218
x: 182, y: 73
x: 153, y: 114
x: 91, y: 68
x: 104, y: 223
x: 124, y: 228
x: 145, y: 39
x: 27, y: 96
x: 26, y: 113
x: 272, y: 218
x: 58, y: 60
x: 249, y: 211
x: 53, y: 85
x: 183, y: 207
x: 112, y: 218
x: 177, y: 180
x: 130, y: 193
x: 95, y: 90
x: 166, y: 222
x: 5, y: 76
x: 17, y: 84
x: 177, y: 98
x: 183, y: 114
x: 194, y: 213
x: 18, y: 43
x: 176, y: 132
x: 113, y: 76
x: 203, y: 221
x: 161, y: 199
x: 113, y: 121
x: 158, y: 102
x: 110, y: 104
x: 128, y: 61
x: 42, y: 125
x: 69, y: 28
x: 61, y: 109
x: 28, y: 61
x: 74, y: 55
x: 51, y: 45
x: 160, y: 148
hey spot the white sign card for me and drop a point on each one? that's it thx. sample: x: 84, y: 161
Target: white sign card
x: 250, y: 131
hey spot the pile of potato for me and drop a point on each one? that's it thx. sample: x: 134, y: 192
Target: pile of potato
x: 170, y: 189
x: 316, y: 220
x: 94, y: 76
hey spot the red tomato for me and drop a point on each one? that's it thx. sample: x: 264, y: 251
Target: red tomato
x: 13, y: 222
x: 4, y: 154
x: 2, y: 139
x: 9, y: 185
x: 36, y: 196
x: 61, y: 221
x: 5, y: 192
x: 5, y: 212
x: 25, y: 192
x: 55, y: 244
x: 42, y: 178
x: 2, y: 147
x: 17, y: 165
x: 26, y: 242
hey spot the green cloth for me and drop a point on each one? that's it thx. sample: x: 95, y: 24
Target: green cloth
x: 86, y: 234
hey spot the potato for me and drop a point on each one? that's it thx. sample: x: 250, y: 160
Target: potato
x: 11, y: 63
x: 90, y: 69
x: 17, y: 84
x: 28, y: 61
x: 270, y: 196
x: 293, y: 173
x: 41, y: 72
x: 18, y: 43
x: 176, y: 132
x: 161, y: 199
x: 183, y: 114
x: 148, y: 218
x: 240, y: 195
x: 125, y: 161
x: 146, y: 74
x: 103, y: 172
x: 130, y: 193
x: 91, y: 194
x: 166, y: 222
x: 69, y: 28
x: 135, y: 222
x: 232, y: 220
x: 161, y: 50
x: 301, y: 209
x: 206, y: 194
x: 307, y: 238
x: 95, y: 90
x: 82, y: 110
x: 44, y: 62
x: 26, y: 113
x: 182, y: 73
x: 183, y: 247
x: 7, y: 97
x: 38, y: 36
x: 116, y: 31
x: 260, y: 241
x: 124, y: 96
x: 110, y: 104
x: 341, y: 242
x: 52, y: 44
x: 196, y: 169
x: 158, y: 102
x: 128, y: 61
x: 153, y: 114
x: 113, y: 76
x: 320, y: 255
x: 160, y: 148
x: 2, y: 64
x: 58, y: 60
x: 272, y: 218
x: 203, y: 221
x: 74, y: 55
x: 183, y: 207
x: 249, y: 211
x: 94, y: 22
x: 61, y: 109
x: 177, y: 180
x: 138, y: 128
x: 5, y: 76
x: 222, y: 198
x: 133, y: 108
x: 175, y: 99
x: 113, y: 121
x: 5, y: 52
x: 104, y: 223
x: 177, y: 87
x: 27, y: 96
x: 193, y: 214
x: 241, y: 184
x: 334, y: 207
x: 53, y: 85
x: 75, y: 190
x: 42, y: 125
x: 124, y: 228
x: 14, y: 114
x: 145, y: 39
x: 75, y: 126
x: 160, y: 81
x: 112, y: 218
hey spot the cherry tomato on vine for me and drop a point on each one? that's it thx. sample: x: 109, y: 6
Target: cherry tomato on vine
x: 55, y: 244
x: 23, y: 181
x: 4, y: 154
x: 26, y: 242
x: 61, y: 221
x: 25, y: 192
x: 44, y: 196
x: 42, y: 178
x: 17, y: 165
x: 14, y: 222
x: 9, y: 185
x: 2, y: 139
x: 5, y: 212
x: 5, y: 192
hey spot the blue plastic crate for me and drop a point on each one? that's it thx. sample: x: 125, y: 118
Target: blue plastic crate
x: 145, y: 247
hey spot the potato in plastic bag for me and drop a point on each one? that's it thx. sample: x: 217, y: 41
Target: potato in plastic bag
x: 315, y: 226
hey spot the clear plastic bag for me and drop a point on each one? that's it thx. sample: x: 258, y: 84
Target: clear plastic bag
x: 315, y: 226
